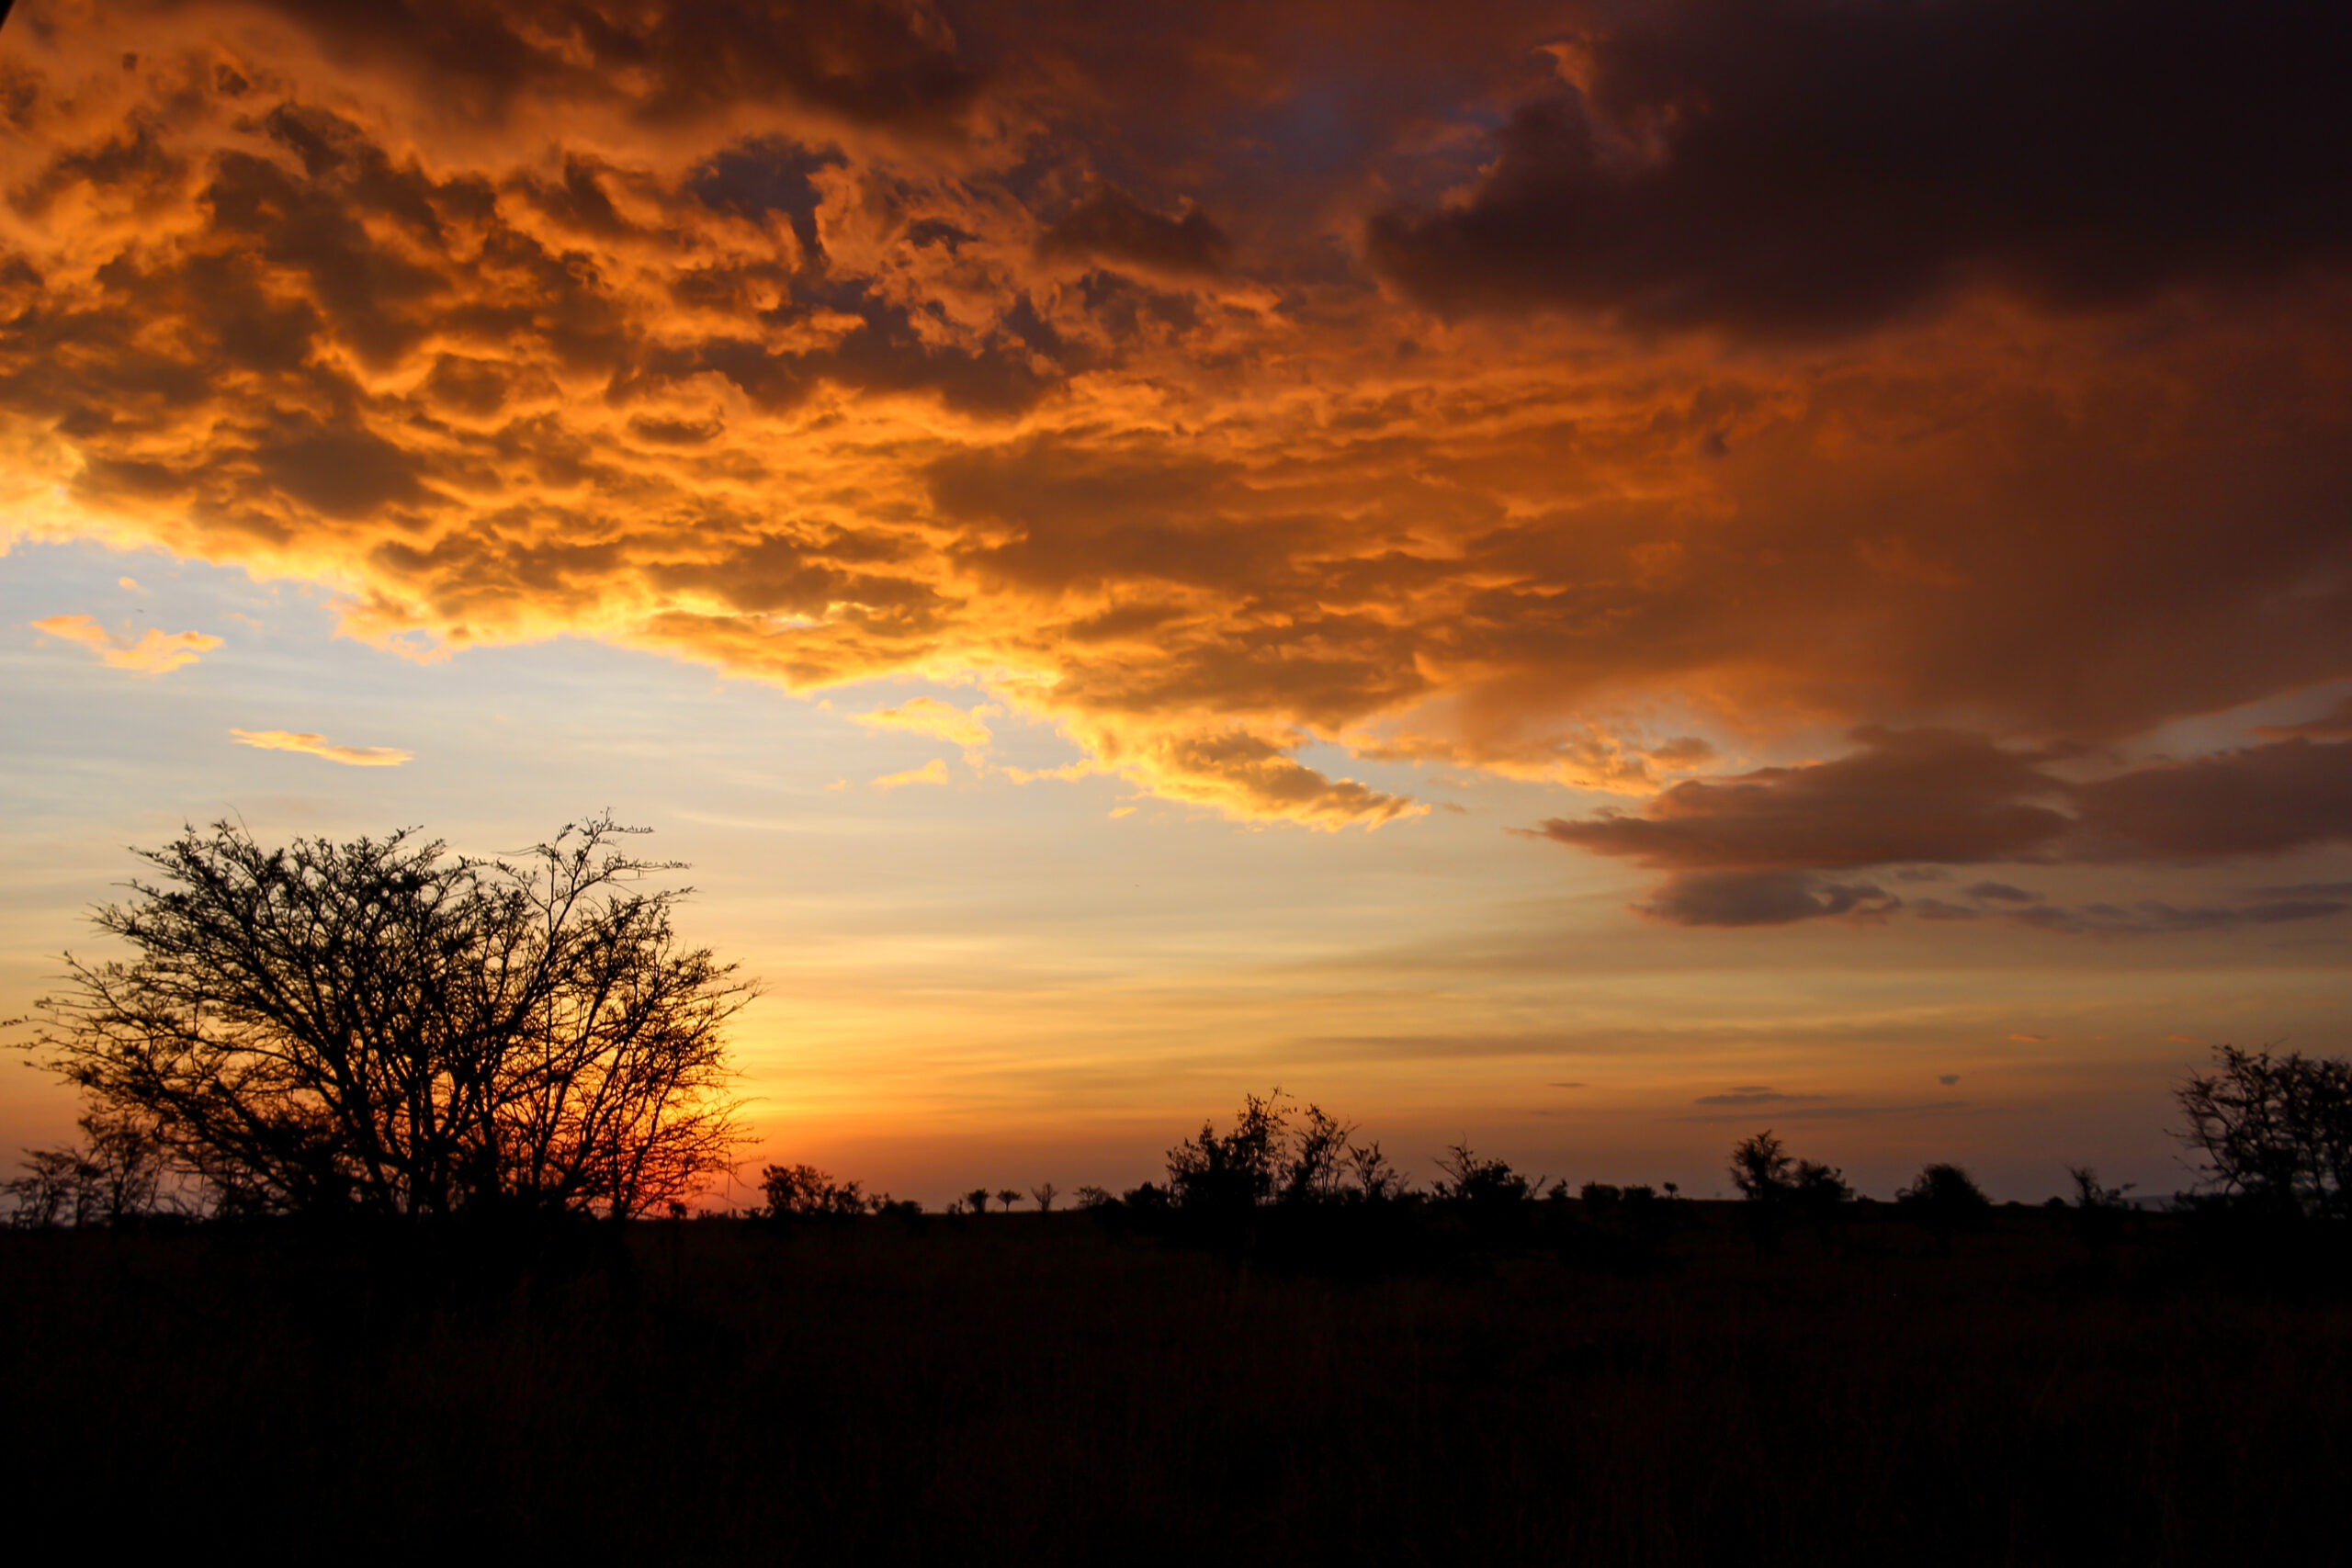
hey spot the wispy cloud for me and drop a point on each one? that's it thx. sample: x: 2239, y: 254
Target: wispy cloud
x: 1755, y: 1094
x: 932, y: 772
x: 929, y: 715
x: 1829, y: 1108
x: 156, y: 652
x: 320, y: 746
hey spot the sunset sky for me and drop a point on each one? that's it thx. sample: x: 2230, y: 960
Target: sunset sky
x: 1589, y: 577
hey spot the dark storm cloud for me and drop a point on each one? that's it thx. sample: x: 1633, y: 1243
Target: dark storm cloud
x: 1801, y: 167
x: 1108, y: 226
x: 668, y: 61
x: 1763, y: 899
x: 769, y: 174
x: 1765, y: 848
x: 1937, y: 796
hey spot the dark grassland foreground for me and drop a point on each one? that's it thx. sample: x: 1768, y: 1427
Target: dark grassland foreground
x: 1046, y: 1389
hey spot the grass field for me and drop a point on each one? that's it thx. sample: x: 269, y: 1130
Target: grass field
x: 1042, y: 1388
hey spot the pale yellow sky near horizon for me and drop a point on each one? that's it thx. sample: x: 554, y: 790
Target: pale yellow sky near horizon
x: 1013, y: 982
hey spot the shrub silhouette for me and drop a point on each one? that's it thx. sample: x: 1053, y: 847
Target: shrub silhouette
x: 1271, y: 1154
x: 2100, y: 1212
x: 1469, y: 1178
x: 376, y: 1026
x: 1820, y: 1193
x: 802, y: 1191
x: 1373, y: 1178
x: 1223, y: 1172
x: 1945, y: 1200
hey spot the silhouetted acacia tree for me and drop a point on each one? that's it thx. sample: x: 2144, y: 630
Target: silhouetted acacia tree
x: 2274, y: 1131
x: 1760, y: 1168
x: 379, y: 1026
x: 1009, y: 1197
x: 1045, y: 1196
x: 979, y: 1199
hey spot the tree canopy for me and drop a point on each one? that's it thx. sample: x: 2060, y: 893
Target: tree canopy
x: 2274, y: 1131
x: 380, y: 1026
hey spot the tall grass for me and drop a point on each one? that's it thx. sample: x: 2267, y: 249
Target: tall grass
x: 1036, y: 1389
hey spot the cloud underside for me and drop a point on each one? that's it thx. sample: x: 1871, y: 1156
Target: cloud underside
x: 1783, y: 844
x: 315, y: 745
x: 1216, y: 392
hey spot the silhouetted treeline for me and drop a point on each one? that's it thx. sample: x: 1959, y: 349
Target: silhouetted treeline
x: 1293, y: 1185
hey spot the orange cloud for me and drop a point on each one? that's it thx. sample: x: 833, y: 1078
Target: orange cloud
x: 932, y: 772
x: 320, y: 746
x: 156, y: 652
x: 929, y: 715
x: 824, y: 344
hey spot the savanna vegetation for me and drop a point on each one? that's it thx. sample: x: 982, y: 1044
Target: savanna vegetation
x: 377, y: 1241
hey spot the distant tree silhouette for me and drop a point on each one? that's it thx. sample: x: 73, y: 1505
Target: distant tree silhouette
x: 1045, y: 1196
x: 1009, y: 1197
x: 1095, y: 1198
x: 979, y: 1199
x: 55, y: 1189
x: 1760, y: 1168
x: 116, y: 1173
x: 1945, y: 1200
x: 1149, y: 1198
x: 1232, y: 1170
x: 1314, y: 1160
x: 377, y: 1026
x: 1765, y: 1173
x: 906, y: 1211
x: 1372, y: 1178
x: 802, y: 1191
x: 2274, y: 1131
